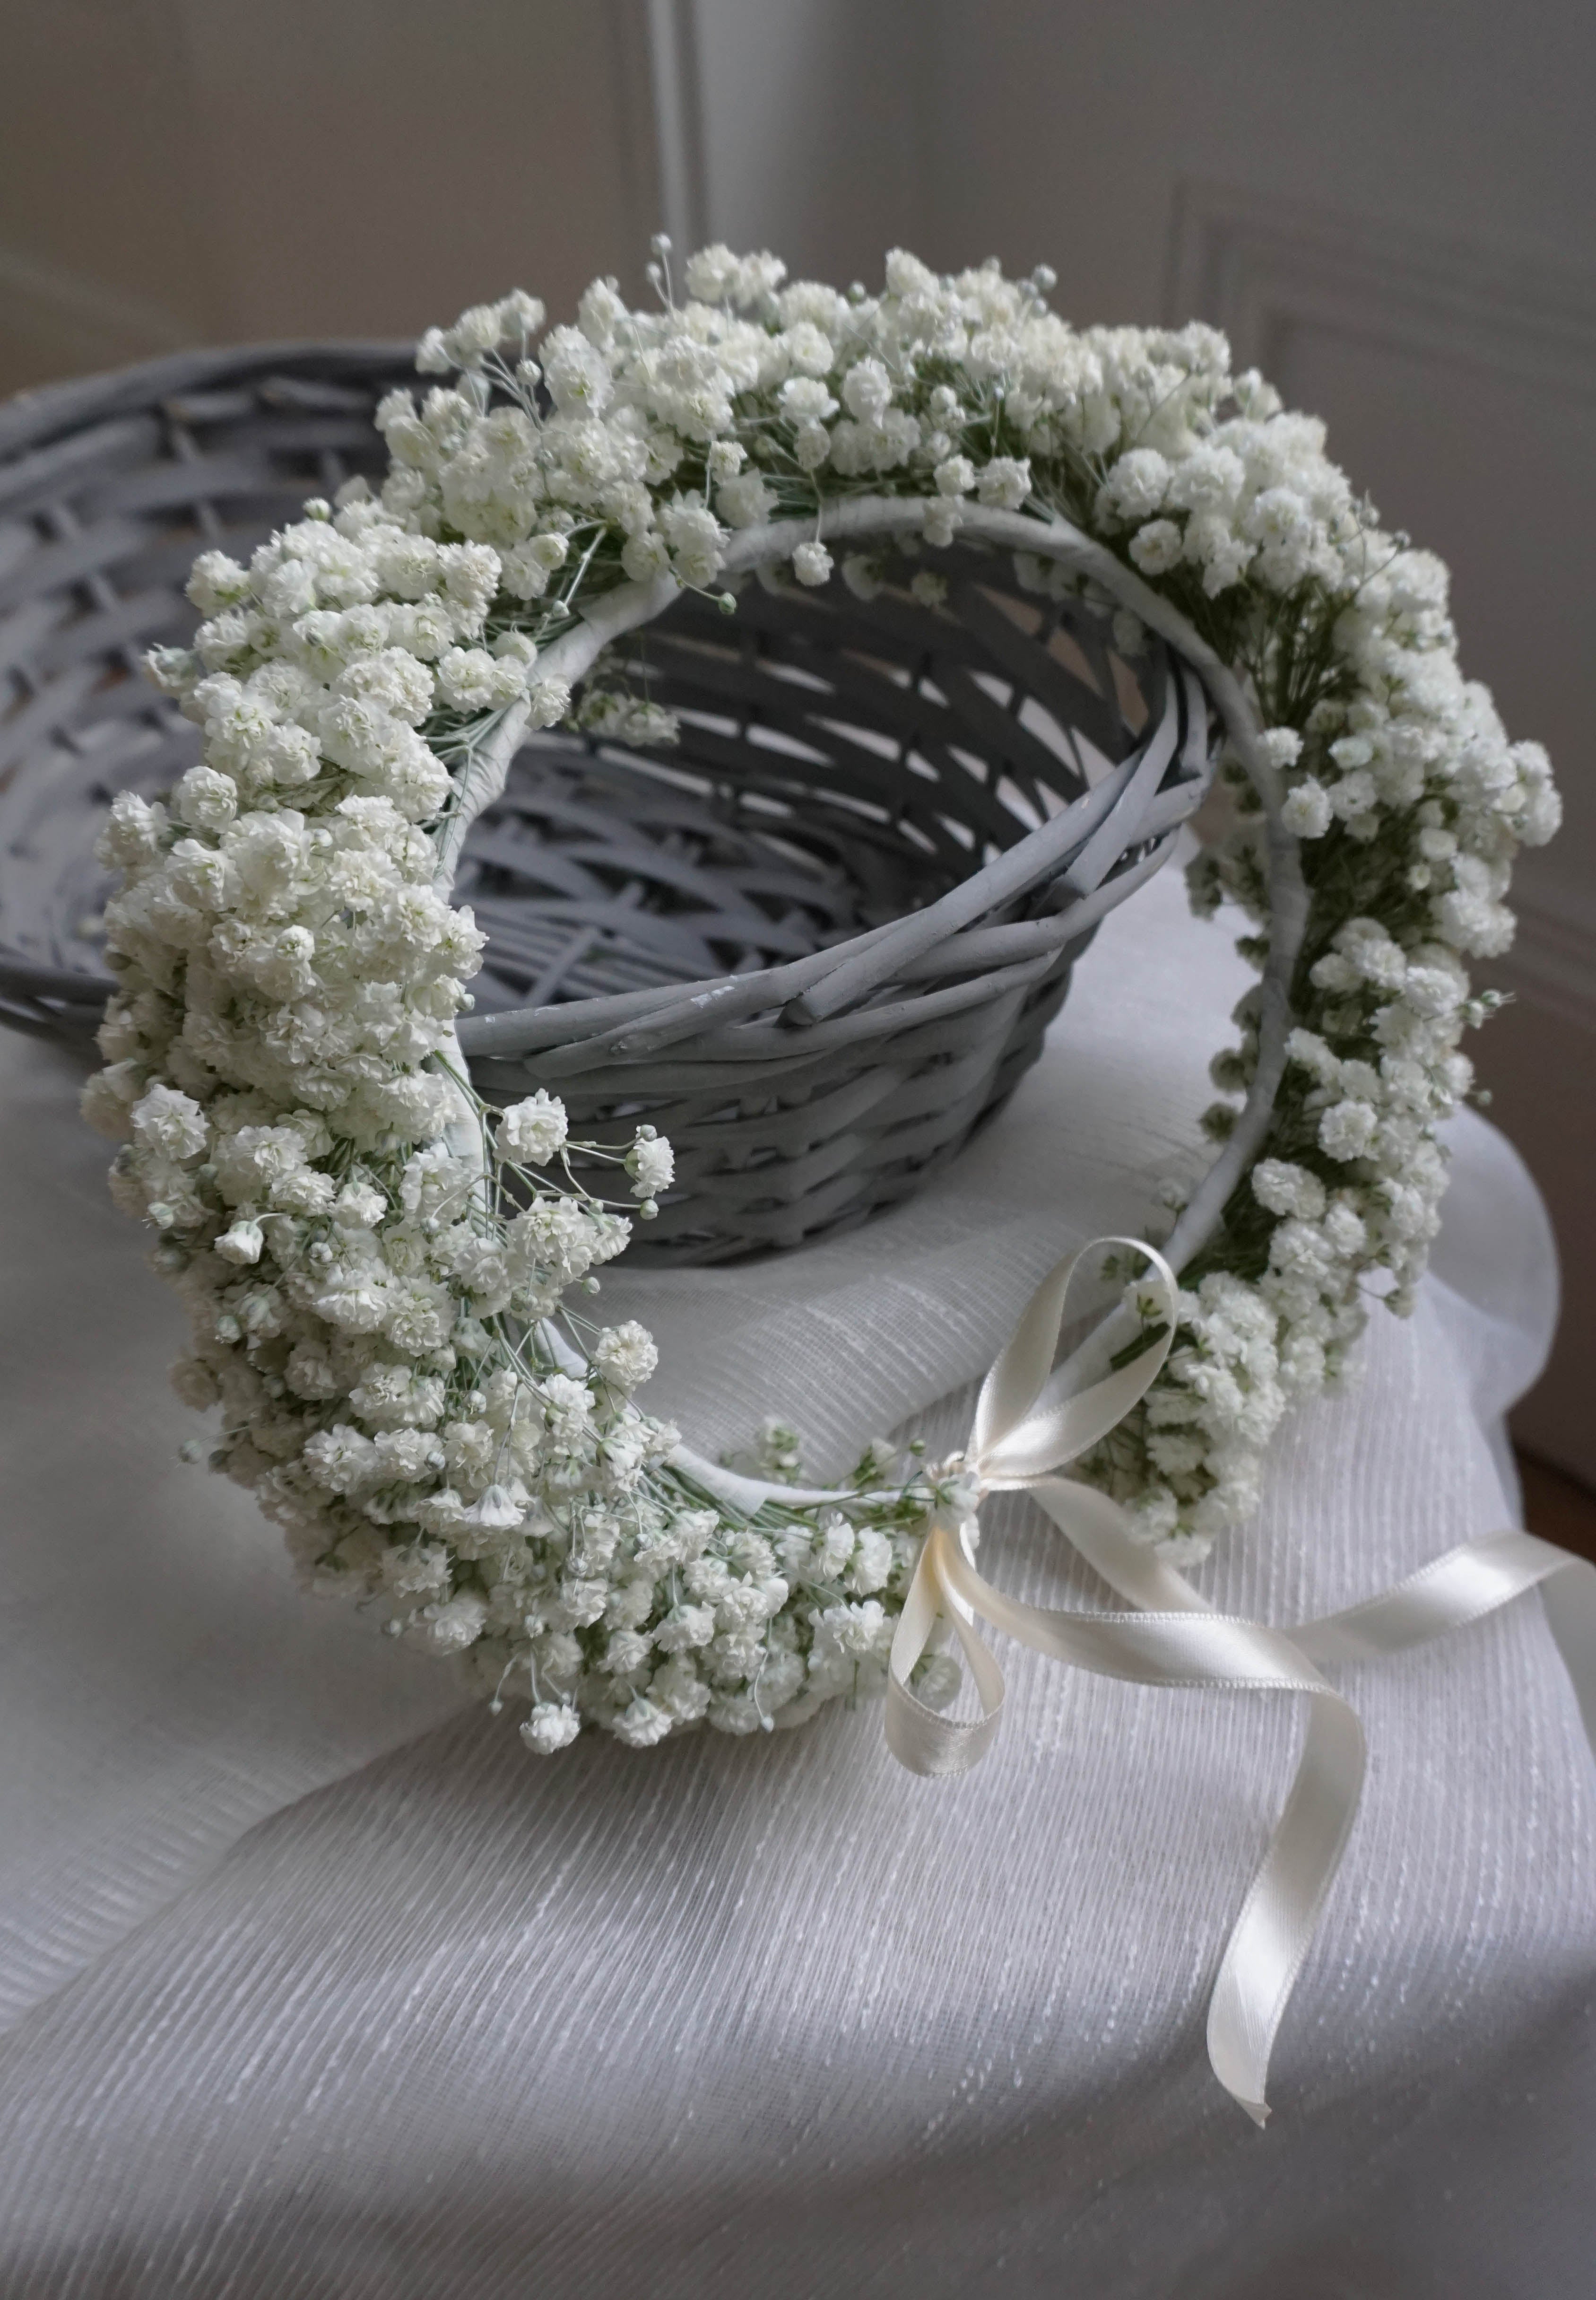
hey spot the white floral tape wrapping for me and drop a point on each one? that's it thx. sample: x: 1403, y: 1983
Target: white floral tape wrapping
x: 387, y: 1283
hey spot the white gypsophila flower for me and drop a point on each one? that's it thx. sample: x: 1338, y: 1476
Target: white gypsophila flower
x: 1136, y: 486
x: 171, y: 1122
x: 532, y: 1130
x: 804, y: 399
x: 1307, y: 812
x: 812, y: 563
x: 553, y: 1725
x: 867, y: 391
x: 625, y: 1354
x: 650, y: 1163
x: 1281, y: 745
x: 498, y: 1511
x: 643, y: 1723
x: 1004, y: 483
x: 1288, y: 1189
x: 473, y: 679
x: 696, y: 540
x: 746, y: 501
x: 451, y: 1628
x: 242, y: 1242
x: 1158, y: 546
x: 549, y: 701
x: 1347, y: 1129
x: 374, y: 1313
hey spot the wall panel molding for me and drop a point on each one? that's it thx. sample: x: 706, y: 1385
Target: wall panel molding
x: 1254, y: 265
x: 1260, y: 268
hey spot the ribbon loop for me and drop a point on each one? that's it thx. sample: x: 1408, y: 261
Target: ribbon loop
x: 1029, y: 1421
x: 919, y: 1735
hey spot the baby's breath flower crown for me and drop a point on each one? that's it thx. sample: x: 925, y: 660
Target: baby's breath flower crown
x: 386, y: 1278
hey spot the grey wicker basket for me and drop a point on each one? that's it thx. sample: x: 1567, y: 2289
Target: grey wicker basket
x: 816, y: 943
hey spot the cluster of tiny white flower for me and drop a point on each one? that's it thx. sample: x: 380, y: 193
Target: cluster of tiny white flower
x: 379, y: 1273
x: 1409, y: 803
x: 376, y: 1270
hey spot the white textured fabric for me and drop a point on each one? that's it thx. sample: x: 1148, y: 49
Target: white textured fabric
x: 319, y: 1991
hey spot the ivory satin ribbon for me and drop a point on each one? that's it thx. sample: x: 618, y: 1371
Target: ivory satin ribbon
x: 1028, y: 1425
x: 1031, y: 1420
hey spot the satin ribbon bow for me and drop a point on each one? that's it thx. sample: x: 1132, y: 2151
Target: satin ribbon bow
x: 1029, y: 1423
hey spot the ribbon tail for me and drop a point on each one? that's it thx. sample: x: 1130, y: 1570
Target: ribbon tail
x: 1029, y: 1423
x: 1275, y: 1930
x: 917, y: 1735
x: 1280, y: 1915
x: 1194, y: 1648
x: 1096, y: 1526
x: 1465, y: 1585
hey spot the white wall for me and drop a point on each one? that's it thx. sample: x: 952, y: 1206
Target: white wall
x: 182, y: 171
x: 1387, y: 202
x: 813, y: 115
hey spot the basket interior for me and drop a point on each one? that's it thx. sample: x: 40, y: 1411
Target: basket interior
x: 840, y: 763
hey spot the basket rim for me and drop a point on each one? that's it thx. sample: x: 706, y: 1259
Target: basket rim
x: 44, y: 415
x: 41, y: 413
x: 811, y: 991
x: 36, y: 419
x: 638, y: 1022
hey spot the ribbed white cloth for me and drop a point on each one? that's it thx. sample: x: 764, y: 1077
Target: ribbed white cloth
x: 321, y: 1988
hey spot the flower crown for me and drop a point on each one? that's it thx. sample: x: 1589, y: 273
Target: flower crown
x: 388, y: 1280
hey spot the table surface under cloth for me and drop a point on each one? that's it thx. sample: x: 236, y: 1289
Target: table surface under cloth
x: 317, y: 1987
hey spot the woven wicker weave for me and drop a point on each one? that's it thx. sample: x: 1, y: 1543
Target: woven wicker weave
x: 816, y: 943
